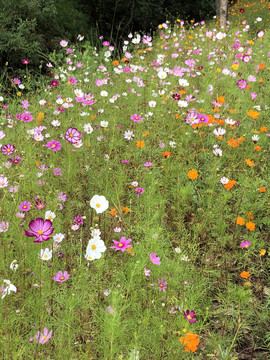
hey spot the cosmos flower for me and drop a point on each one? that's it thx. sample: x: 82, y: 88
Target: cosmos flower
x: 40, y: 229
x: 61, y: 276
x: 190, y: 316
x: 45, y: 254
x: 154, y: 259
x: 99, y: 203
x: 162, y: 285
x: 43, y: 338
x: 121, y: 245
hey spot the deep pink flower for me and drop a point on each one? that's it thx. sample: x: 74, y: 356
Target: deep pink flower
x: 242, y: 84
x: 122, y: 245
x: 61, y: 276
x: 24, y: 206
x: 78, y: 220
x: 72, y: 80
x: 72, y: 135
x: 162, y: 285
x: 190, y: 316
x: 7, y: 149
x: 54, y: 145
x: 16, y: 81
x: 40, y: 204
x: 43, y: 338
x: 136, y: 118
x: 139, y: 191
x: 40, y: 229
x: 26, y: 117
x: 54, y: 83
x: 25, y: 61
x: 154, y: 259
x: 245, y: 244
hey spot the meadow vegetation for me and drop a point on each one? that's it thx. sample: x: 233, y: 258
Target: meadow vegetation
x: 134, y: 197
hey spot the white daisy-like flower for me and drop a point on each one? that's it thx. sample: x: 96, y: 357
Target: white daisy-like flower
x: 224, y: 180
x: 95, y: 248
x: 95, y: 233
x: 45, y: 254
x: 50, y: 215
x: 14, y: 265
x: 99, y: 203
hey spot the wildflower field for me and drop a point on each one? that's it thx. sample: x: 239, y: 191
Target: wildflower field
x: 134, y: 197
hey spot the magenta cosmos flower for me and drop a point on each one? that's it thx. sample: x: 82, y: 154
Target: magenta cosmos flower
x: 72, y: 135
x: 242, y: 84
x: 40, y: 229
x: 136, y: 118
x: 24, y: 206
x: 154, y: 259
x: 245, y: 244
x: 122, y: 245
x: 61, y: 276
x: 54, y: 145
x: 43, y: 338
x: 162, y: 285
x: 26, y: 61
x: 8, y: 149
x: 190, y: 316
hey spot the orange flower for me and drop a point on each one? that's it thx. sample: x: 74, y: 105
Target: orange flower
x: 257, y: 148
x: 250, y: 162
x: 116, y: 62
x: 260, y: 80
x: 221, y: 99
x: 93, y: 117
x: 126, y: 210
x: 192, y: 174
x: 253, y: 114
x: 263, y: 129
x: 40, y: 116
x: 146, y: 134
x: 140, y: 144
x: 113, y: 212
x: 262, y: 252
x: 262, y: 189
x: 191, y: 341
x: 262, y: 66
x: 240, y: 221
x: 250, y: 216
x: 250, y: 225
x: 230, y: 184
x: 232, y: 142
x: 245, y: 274
x: 166, y: 154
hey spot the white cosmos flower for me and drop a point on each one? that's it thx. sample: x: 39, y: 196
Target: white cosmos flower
x: 45, y: 254
x: 99, y: 203
x: 183, y: 82
x: 95, y: 233
x: 88, y: 128
x: 10, y: 287
x: 58, y: 237
x: 162, y: 74
x: 14, y: 265
x: 50, y: 215
x: 224, y: 180
x: 182, y: 103
x: 95, y: 248
x: 152, y: 103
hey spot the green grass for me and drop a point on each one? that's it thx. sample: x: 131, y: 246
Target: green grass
x: 198, y: 216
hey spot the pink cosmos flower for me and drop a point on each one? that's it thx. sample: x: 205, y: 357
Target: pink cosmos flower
x: 136, y: 118
x: 24, y: 206
x: 147, y: 272
x: 25, y: 61
x: 139, y: 191
x: 54, y: 83
x: 54, y: 145
x: 8, y: 149
x: 154, y: 259
x: 245, y: 244
x: 162, y: 285
x: 4, y: 226
x: 40, y: 229
x: 61, y: 276
x: 72, y: 135
x: 16, y: 81
x: 57, y: 171
x: 26, y: 117
x: 43, y: 338
x: 122, y: 245
x: 190, y: 316
x: 2, y: 134
x: 72, y: 80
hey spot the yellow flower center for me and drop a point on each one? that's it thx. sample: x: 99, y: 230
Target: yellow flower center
x: 25, y: 207
x: 45, y: 256
x: 2, y: 184
x: 98, y: 205
x: 71, y: 135
x: 50, y: 217
x: 189, y: 317
x: 40, y: 232
x: 62, y: 278
x: 120, y: 244
x: 94, y: 247
x: 44, y: 338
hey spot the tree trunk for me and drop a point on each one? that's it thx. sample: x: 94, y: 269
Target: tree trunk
x: 223, y: 12
x: 218, y: 8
